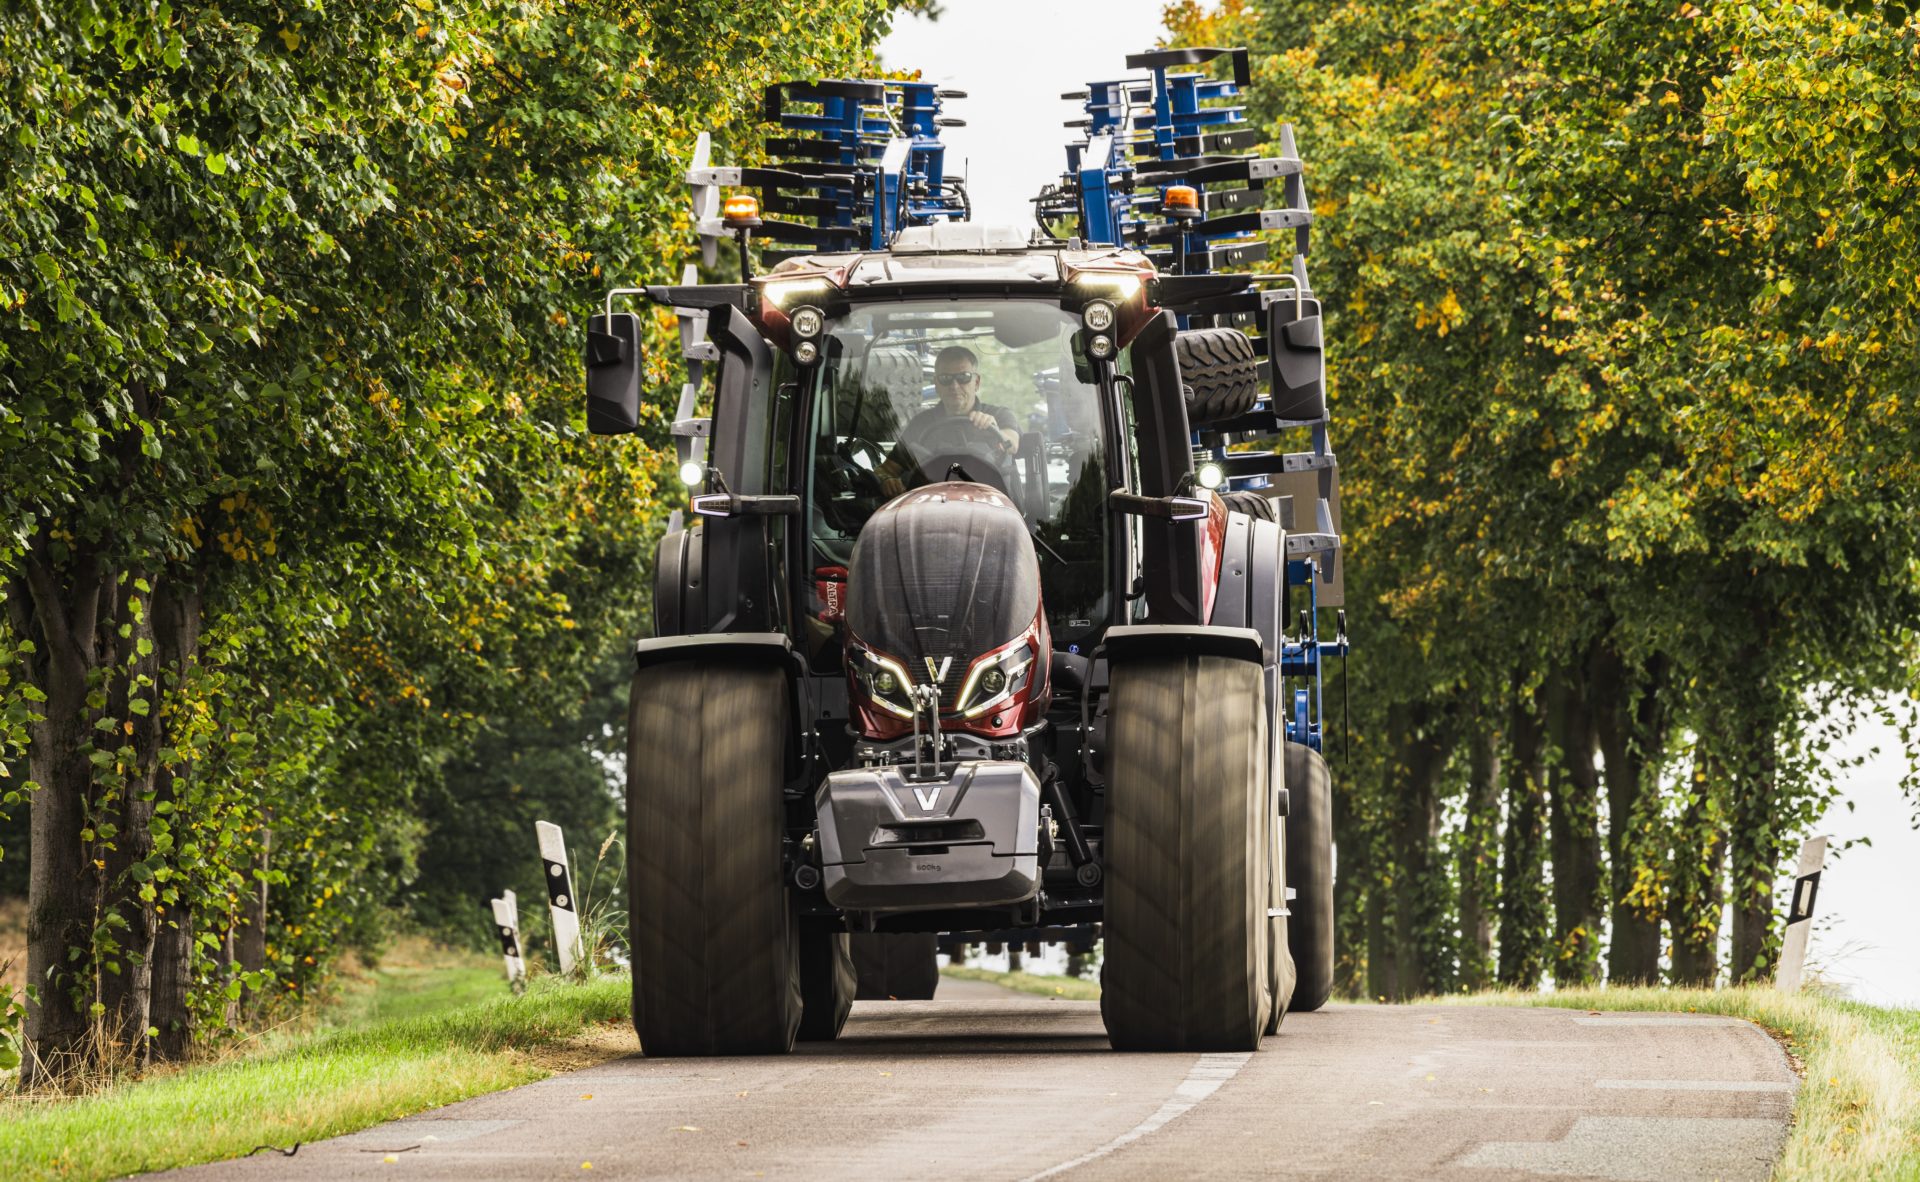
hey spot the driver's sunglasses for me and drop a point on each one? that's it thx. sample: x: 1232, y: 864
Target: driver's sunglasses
x: 954, y: 379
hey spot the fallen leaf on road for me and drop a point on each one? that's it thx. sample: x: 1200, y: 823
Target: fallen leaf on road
x: 586, y: 1095
x: 1375, y: 1103
x: 586, y: 1165
x: 390, y: 1157
x: 886, y: 1073
x: 1429, y: 1078
x: 741, y: 1144
x: 687, y: 1129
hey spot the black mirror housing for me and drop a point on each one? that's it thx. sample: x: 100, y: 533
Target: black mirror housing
x: 613, y: 373
x: 1297, y: 359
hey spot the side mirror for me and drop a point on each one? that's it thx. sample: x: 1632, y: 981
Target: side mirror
x: 1298, y: 363
x: 613, y: 373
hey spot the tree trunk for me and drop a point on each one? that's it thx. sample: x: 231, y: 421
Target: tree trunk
x: 1523, y: 888
x: 125, y: 974
x: 251, y: 940
x: 1351, y: 944
x: 1631, y: 725
x: 177, y: 612
x: 1697, y: 899
x: 1382, y: 962
x: 1757, y: 832
x: 1419, y: 902
x: 57, y: 607
x: 1479, y: 863
x: 1574, y: 787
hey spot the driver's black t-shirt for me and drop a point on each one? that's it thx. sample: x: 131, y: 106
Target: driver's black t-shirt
x: 912, y: 449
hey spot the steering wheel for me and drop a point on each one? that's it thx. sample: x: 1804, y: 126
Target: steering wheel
x: 956, y: 440
x: 847, y: 492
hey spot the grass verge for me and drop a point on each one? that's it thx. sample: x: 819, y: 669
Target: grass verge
x: 1857, y: 1113
x: 323, y: 1085
x: 1070, y: 988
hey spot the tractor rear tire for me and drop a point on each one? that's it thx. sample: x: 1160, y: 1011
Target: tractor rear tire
x: 715, y: 948
x: 1310, y: 871
x: 1189, y: 857
x: 826, y: 981
x: 1220, y: 371
x: 896, y: 966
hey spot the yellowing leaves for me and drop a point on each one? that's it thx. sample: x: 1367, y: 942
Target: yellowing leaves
x: 1443, y: 317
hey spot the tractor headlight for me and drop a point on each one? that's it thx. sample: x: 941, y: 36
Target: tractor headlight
x: 807, y: 323
x: 781, y: 292
x: 1100, y: 347
x: 1098, y: 315
x: 994, y: 679
x: 885, y: 681
x: 806, y: 352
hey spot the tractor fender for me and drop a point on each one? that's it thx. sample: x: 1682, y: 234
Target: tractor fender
x: 738, y: 648
x: 771, y: 647
x: 679, y: 604
x: 1129, y: 642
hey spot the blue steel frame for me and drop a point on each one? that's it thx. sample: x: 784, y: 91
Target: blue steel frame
x: 873, y: 167
x: 1185, y: 138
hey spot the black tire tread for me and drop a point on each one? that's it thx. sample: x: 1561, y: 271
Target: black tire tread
x: 1186, y: 964
x: 1310, y: 870
x: 1253, y: 504
x: 714, y: 964
x: 827, y: 982
x: 1220, y: 371
x: 896, y: 966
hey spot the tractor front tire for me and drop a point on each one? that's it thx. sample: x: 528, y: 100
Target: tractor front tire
x: 1190, y: 854
x: 1220, y: 371
x: 715, y: 945
x: 1310, y: 872
x: 826, y: 981
x: 896, y: 966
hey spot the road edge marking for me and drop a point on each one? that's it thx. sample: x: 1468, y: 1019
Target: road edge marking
x: 1209, y: 1071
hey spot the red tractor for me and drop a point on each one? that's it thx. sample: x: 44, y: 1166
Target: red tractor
x: 994, y: 621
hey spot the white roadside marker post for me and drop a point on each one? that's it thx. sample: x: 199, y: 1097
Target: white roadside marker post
x: 506, y: 916
x: 560, y: 900
x: 1806, y: 887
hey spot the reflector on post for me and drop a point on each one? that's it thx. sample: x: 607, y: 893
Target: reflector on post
x: 560, y: 901
x: 506, y: 918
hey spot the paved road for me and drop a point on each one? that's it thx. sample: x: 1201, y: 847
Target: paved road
x: 991, y: 1085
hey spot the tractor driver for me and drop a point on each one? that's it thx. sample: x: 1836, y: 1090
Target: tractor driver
x: 956, y: 379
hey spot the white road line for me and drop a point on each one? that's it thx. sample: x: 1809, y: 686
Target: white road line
x: 1208, y: 1073
x: 1694, y: 1085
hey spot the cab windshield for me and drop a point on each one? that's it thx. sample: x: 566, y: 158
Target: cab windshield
x: 896, y: 408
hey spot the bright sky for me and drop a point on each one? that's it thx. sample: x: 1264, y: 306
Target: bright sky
x: 1014, y: 58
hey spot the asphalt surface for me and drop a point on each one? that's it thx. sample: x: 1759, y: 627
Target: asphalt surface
x: 983, y: 1083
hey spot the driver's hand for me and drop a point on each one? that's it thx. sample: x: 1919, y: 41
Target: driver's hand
x: 984, y: 421
x: 892, y: 485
